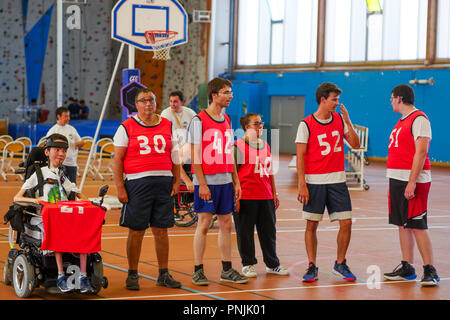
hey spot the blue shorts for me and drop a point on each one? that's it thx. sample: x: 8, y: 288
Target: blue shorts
x: 149, y: 203
x: 222, y: 200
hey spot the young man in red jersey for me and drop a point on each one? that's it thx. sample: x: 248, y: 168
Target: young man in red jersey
x: 143, y: 153
x: 215, y: 178
x: 321, y: 176
x: 408, y: 170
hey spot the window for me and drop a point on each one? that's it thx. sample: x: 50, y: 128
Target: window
x: 443, y: 30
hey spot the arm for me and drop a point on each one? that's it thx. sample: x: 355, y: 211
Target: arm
x: 196, y: 151
x: 176, y: 168
x: 274, y: 191
x: 422, y: 144
x: 119, y: 156
x: 351, y: 136
x: 20, y: 198
x: 303, y: 193
x: 79, y: 144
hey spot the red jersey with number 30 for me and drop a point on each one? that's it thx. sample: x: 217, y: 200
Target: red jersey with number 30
x: 402, y: 146
x: 149, y: 148
x: 254, y: 173
x: 325, y: 149
x: 217, y: 141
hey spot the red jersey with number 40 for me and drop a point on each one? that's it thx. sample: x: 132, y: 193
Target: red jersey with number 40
x: 402, y: 146
x: 149, y: 148
x: 254, y: 173
x: 325, y: 149
x: 217, y: 144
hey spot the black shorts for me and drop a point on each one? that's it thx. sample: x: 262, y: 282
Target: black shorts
x: 149, y: 203
x: 334, y: 196
x: 408, y: 213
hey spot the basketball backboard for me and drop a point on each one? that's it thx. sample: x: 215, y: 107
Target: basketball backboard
x: 149, y: 24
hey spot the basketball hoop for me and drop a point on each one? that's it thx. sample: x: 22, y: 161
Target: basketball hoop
x: 161, y: 41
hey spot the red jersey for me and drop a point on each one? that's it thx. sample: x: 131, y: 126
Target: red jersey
x: 325, y: 149
x: 149, y: 148
x: 217, y: 138
x: 402, y: 146
x: 72, y: 226
x: 254, y: 173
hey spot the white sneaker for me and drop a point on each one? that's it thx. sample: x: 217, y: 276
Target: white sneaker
x: 280, y: 270
x: 249, y: 271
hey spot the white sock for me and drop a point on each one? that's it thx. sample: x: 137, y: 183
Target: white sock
x: 61, y: 274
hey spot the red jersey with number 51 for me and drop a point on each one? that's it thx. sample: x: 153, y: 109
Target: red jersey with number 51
x: 325, y: 149
x: 149, y: 148
x: 402, y: 146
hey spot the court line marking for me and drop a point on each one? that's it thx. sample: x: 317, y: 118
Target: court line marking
x: 272, y: 289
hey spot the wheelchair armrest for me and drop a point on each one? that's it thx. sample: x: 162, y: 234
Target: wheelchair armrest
x: 28, y: 204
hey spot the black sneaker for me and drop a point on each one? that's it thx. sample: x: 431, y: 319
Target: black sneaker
x: 403, y: 272
x: 311, y: 273
x: 199, y: 278
x: 166, y: 280
x: 132, y: 282
x: 430, y: 277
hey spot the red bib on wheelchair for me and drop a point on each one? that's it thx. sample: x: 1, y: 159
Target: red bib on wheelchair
x: 72, y: 226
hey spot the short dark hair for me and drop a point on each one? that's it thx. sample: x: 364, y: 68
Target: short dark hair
x: 405, y: 92
x: 178, y: 94
x: 325, y: 89
x: 143, y: 90
x: 245, y: 120
x: 215, y: 85
x: 60, y: 111
x: 82, y: 101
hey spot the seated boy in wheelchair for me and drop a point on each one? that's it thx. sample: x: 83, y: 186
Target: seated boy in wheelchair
x: 54, y: 186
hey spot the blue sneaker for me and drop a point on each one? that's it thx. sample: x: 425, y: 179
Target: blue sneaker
x: 343, y: 271
x: 85, y: 286
x: 311, y: 273
x: 430, y: 277
x: 61, y: 282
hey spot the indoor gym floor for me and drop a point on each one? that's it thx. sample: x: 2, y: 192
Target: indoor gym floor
x: 374, y: 246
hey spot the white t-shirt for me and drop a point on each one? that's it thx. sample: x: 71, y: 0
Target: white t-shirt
x: 121, y: 140
x: 421, y: 127
x: 180, y: 122
x: 73, y: 137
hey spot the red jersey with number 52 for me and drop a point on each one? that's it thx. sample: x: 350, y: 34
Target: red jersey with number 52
x: 254, y: 173
x: 402, y: 146
x: 149, y: 148
x: 325, y: 149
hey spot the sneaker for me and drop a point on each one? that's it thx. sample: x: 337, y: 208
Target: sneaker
x: 232, y: 276
x: 430, y: 277
x: 85, y: 286
x: 199, y: 278
x: 61, y: 282
x: 311, y: 274
x: 166, y: 279
x: 280, y: 270
x: 132, y: 282
x: 249, y: 271
x: 343, y: 271
x: 403, y: 272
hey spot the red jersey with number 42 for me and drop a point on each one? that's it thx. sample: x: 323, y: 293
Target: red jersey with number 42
x: 325, y: 149
x: 149, y: 148
x: 254, y: 173
x: 402, y: 146
x: 217, y: 156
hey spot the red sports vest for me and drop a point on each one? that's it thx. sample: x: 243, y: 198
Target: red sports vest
x: 217, y: 140
x: 149, y: 148
x: 402, y: 146
x: 254, y: 173
x: 325, y: 150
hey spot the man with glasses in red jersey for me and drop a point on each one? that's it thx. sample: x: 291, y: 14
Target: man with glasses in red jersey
x: 215, y: 178
x: 145, y: 155
x: 321, y: 176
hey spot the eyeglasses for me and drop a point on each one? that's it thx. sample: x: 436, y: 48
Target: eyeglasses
x: 227, y: 93
x: 258, y: 124
x: 145, y: 101
x: 392, y: 98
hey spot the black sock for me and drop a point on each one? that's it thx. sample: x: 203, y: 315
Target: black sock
x: 226, y: 265
x: 132, y: 272
x: 162, y: 271
x: 196, y: 268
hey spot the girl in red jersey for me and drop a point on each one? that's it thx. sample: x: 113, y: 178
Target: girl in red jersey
x: 259, y: 199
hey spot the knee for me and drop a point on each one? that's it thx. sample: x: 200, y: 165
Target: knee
x: 346, y: 224
x: 311, y: 226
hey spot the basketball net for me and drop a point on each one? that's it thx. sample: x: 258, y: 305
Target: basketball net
x: 161, y: 41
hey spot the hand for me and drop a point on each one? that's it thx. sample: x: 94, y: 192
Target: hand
x: 303, y: 194
x: 238, y: 205
x: 204, y: 192
x: 190, y: 186
x: 122, y: 195
x: 409, y: 190
x: 345, y: 115
x: 237, y: 192
x: 276, y: 201
x: 175, y: 189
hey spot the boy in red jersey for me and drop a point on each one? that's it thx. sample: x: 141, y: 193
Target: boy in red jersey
x: 215, y: 178
x: 143, y: 153
x: 259, y: 199
x: 321, y: 176
x: 408, y: 170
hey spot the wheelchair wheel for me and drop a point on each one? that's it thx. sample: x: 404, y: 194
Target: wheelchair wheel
x: 98, y: 281
x: 23, y: 277
x: 6, y: 273
x: 185, y: 218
